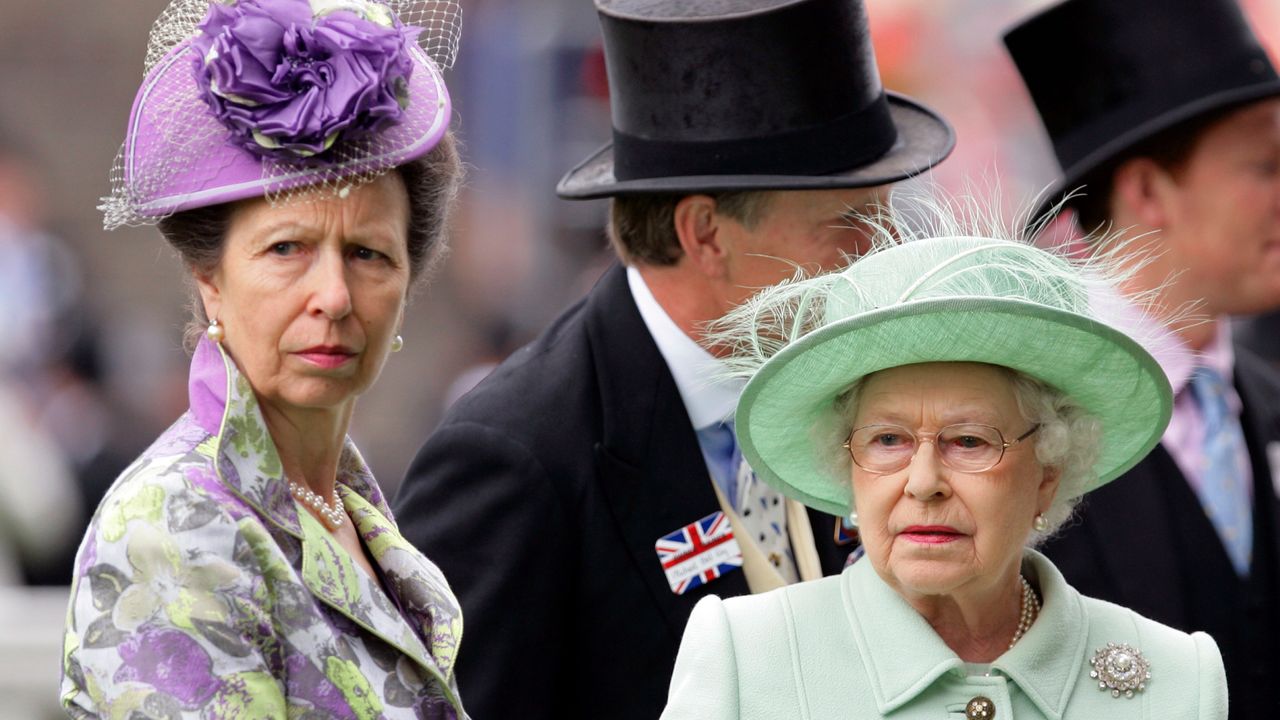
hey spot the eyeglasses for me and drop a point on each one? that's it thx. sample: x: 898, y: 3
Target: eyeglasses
x: 965, y: 447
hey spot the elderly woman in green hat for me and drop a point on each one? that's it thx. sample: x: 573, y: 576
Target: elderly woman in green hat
x: 955, y: 396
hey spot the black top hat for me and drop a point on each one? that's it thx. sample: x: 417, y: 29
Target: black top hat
x: 1106, y: 75
x: 714, y: 95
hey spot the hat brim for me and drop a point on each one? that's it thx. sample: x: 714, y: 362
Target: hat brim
x: 169, y: 119
x: 1103, y: 370
x: 1080, y: 171
x: 924, y: 140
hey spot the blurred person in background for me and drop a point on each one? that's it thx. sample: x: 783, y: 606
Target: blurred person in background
x: 38, y: 279
x: 39, y: 504
x: 495, y: 345
x: 1168, y: 116
x: 959, y: 393
x: 39, y: 286
x: 297, y: 156
x: 94, y: 434
x: 567, y: 495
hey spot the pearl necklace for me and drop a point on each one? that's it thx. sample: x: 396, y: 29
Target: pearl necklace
x: 1030, y: 609
x: 333, y: 515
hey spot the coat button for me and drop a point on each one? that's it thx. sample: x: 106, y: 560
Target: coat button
x: 980, y: 708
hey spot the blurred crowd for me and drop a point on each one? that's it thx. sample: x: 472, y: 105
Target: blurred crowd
x: 91, y: 364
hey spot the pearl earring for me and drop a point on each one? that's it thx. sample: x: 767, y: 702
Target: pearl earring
x: 1040, y: 524
x: 215, y: 332
x: 853, y: 518
x: 397, y: 344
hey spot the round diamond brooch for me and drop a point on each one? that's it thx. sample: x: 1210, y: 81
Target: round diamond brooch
x: 1120, y: 668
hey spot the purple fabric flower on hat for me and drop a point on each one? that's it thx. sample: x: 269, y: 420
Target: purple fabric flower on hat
x: 289, y: 78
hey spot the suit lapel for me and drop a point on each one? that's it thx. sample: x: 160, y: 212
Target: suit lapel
x: 648, y: 463
x: 1141, y: 559
x: 1259, y: 389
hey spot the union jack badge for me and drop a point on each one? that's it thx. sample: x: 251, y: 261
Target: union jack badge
x: 698, y: 553
x: 846, y: 532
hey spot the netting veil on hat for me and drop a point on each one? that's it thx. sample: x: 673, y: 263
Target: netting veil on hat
x: 280, y: 99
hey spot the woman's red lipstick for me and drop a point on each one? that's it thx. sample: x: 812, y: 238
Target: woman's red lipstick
x: 327, y: 356
x: 931, y: 534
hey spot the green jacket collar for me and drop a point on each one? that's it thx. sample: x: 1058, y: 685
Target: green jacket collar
x: 1045, y: 663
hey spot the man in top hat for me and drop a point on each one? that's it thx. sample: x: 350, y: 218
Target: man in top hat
x: 584, y: 497
x: 1168, y: 115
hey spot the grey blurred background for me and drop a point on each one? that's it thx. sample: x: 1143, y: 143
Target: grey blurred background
x: 91, y: 365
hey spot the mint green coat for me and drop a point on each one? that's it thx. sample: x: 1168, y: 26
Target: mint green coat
x: 851, y: 647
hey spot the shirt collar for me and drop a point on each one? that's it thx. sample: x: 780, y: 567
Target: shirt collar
x: 1045, y: 663
x: 708, y: 397
x: 1218, y: 354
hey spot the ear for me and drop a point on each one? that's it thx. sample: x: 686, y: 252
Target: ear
x: 210, y: 294
x: 1144, y: 191
x: 1049, y: 480
x: 700, y: 232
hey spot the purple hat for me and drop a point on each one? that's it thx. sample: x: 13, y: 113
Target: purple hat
x: 272, y: 98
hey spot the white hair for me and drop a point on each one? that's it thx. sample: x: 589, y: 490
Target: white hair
x: 1069, y: 441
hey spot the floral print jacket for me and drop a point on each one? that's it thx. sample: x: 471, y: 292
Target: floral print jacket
x: 204, y: 591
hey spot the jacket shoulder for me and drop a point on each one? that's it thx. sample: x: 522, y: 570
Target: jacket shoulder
x: 774, y: 606
x: 795, y: 635
x: 548, y: 396
x: 1108, y: 619
x: 791, y: 647
x: 167, y: 525
x: 1187, y: 678
x: 173, y: 465
x: 547, y: 372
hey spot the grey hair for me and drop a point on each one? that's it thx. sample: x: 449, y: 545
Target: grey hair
x: 1069, y: 440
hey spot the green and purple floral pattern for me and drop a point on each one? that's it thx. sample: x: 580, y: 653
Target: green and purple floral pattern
x: 203, y: 591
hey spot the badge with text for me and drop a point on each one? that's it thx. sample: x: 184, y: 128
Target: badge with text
x: 698, y: 553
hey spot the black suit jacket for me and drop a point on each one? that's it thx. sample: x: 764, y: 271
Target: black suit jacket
x: 541, y: 495
x: 1143, y: 541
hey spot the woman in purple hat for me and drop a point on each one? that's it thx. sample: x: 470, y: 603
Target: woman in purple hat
x: 297, y: 155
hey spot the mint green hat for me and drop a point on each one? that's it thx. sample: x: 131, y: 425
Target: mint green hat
x: 961, y: 299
